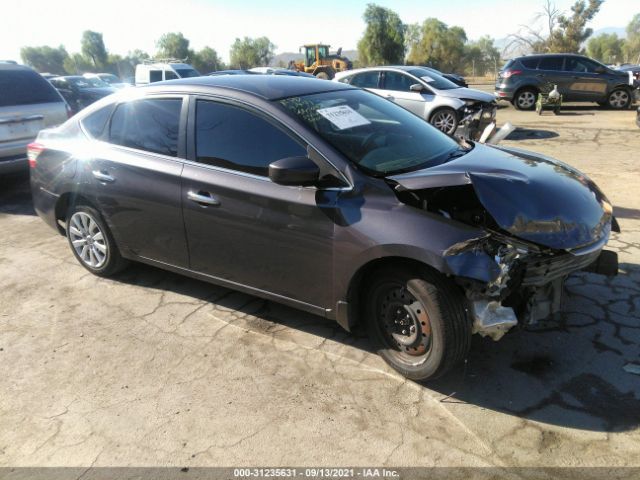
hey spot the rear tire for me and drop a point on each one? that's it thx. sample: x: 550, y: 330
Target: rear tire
x: 92, y: 243
x: 525, y: 99
x: 417, y: 321
x: 323, y: 76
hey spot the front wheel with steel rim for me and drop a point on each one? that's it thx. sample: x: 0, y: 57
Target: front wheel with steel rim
x: 445, y: 120
x: 417, y: 321
x: 92, y: 243
x: 619, y: 99
x: 525, y: 99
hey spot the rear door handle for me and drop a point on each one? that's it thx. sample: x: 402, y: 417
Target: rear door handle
x: 203, y: 198
x: 102, y: 176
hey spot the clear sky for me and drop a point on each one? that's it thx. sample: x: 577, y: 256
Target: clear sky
x: 130, y: 24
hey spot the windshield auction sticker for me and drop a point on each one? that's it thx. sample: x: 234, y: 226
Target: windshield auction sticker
x: 343, y: 117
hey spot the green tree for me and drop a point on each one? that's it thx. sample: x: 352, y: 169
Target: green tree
x: 248, y: 52
x: 571, y: 31
x: 207, y: 60
x: 481, y: 56
x: 440, y: 46
x: 93, y: 49
x: 632, y: 43
x: 77, y: 64
x: 383, y: 42
x: 173, y: 45
x: 606, y: 47
x: 45, y: 59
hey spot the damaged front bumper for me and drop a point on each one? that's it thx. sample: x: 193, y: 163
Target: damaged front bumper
x: 509, y: 282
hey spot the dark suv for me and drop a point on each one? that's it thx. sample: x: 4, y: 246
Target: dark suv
x: 327, y: 198
x: 579, y: 79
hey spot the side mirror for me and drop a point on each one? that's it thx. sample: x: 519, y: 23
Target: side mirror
x: 600, y: 70
x: 416, y: 87
x: 294, y: 171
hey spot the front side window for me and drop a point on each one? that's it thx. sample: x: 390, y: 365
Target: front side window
x: 579, y: 65
x: 186, y: 72
x: 151, y: 125
x: 234, y: 138
x: 365, y: 80
x: 550, y: 63
x: 398, y: 82
x: 170, y: 75
x: 377, y: 135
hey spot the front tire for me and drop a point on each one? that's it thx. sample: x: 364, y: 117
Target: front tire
x: 417, y: 322
x: 323, y: 75
x: 445, y: 120
x: 619, y: 99
x: 525, y: 99
x: 92, y: 243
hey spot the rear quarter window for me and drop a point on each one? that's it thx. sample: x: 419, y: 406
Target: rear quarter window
x: 25, y: 87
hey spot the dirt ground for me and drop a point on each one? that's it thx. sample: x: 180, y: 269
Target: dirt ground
x: 154, y: 369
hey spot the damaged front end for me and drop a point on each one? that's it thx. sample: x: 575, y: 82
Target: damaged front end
x: 542, y: 221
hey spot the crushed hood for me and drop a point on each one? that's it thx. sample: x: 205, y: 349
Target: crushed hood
x: 531, y: 196
x: 468, y: 94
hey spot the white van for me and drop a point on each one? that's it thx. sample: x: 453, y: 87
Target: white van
x: 156, y: 72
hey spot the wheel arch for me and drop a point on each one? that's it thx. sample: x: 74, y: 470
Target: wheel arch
x: 64, y: 202
x: 351, y: 315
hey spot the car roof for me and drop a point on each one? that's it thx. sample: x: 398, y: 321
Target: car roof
x: 269, y: 87
x: 13, y: 66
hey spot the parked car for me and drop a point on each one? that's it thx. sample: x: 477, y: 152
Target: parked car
x: 28, y: 103
x: 455, y: 78
x: 108, y: 78
x: 579, y: 79
x: 280, y: 71
x: 427, y: 94
x: 156, y: 72
x: 217, y: 73
x: 326, y: 198
x: 80, y: 92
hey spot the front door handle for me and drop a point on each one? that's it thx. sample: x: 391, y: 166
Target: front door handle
x: 203, y: 198
x: 102, y: 176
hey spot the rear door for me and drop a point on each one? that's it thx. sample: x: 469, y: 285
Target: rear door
x: 396, y: 87
x: 241, y: 227
x: 135, y: 177
x: 550, y: 71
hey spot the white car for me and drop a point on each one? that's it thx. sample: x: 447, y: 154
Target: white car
x: 157, y: 72
x: 427, y: 94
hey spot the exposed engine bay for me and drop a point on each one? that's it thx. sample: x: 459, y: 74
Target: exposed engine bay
x: 515, y: 273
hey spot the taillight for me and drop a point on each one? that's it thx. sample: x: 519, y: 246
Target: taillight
x: 510, y: 73
x: 33, y: 151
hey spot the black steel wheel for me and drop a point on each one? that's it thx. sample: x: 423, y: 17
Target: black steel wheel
x: 417, y: 321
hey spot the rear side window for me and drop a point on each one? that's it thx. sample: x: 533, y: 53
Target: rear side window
x: 25, y: 87
x: 155, y: 76
x: 151, y: 125
x: 233, y: 138
x: 94, y: 124
x: 550, y: 63
x: 398, y: 82
x: 365, y: 80
x: 530, y: 63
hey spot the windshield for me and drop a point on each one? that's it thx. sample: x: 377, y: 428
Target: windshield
x: 375, y: 134
x: 187, y: 72
x: 81, y: 82
x: 433, y: 79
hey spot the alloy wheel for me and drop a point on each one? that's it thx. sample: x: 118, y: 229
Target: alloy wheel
x: 619, y: 99
x: 526, y: 100
x: 445, y: 122
x: 88, y: 240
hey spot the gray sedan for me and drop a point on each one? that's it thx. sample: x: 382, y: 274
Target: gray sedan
x: 429, y: 95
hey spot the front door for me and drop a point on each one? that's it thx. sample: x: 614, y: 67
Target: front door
x: 135, y: 178
x: 240, y: 226
x: 583, y: 81
x: 396, y: 87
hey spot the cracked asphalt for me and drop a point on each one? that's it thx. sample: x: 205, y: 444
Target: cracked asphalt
x: 154, y: 369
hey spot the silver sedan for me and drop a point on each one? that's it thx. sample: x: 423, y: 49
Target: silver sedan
x: 431, y: 96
